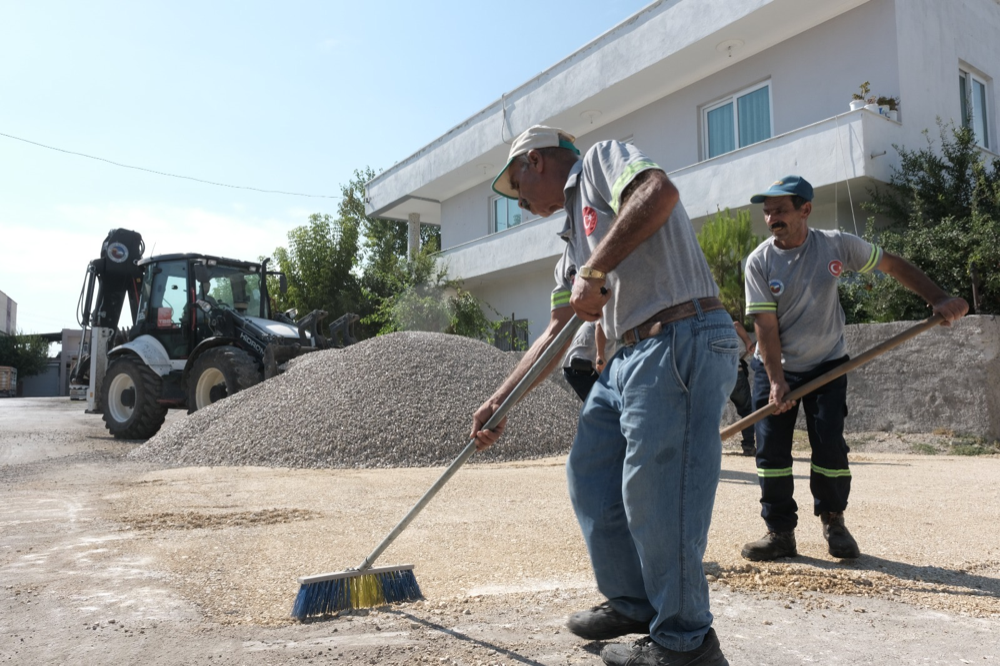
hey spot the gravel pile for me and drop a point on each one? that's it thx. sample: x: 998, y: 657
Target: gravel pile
x: 400, y: 400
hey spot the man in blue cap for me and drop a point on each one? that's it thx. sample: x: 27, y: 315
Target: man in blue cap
x: 791, y: 290
x: 645, y: 463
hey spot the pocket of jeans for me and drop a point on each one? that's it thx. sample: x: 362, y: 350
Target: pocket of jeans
x: 725, y: 345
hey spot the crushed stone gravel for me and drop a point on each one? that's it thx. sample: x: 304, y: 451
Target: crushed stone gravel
x: 399, y: 400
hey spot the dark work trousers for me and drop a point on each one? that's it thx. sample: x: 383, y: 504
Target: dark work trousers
x: 581, y: 381
x: 742, y: 399
x: 829, y: 478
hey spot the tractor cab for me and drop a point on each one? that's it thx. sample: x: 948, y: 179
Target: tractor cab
x: 185, y: 298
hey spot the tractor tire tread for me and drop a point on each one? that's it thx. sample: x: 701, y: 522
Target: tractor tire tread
x: 244, y: 370
x: 151, y: 414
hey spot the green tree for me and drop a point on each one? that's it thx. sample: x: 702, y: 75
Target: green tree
x: 28, y: 353
x: 941, y: 211
x: 423, y: 298
x: 726, y: 241
x: 319, y: 266
x: 383, y: 257
x: 356, y: 263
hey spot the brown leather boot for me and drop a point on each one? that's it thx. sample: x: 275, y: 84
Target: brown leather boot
x: 772, y: 546
x: 839, y: 541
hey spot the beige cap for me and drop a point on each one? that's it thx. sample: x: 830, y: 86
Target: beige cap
x: 532, y: 138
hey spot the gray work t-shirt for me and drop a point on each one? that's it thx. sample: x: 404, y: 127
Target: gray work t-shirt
x: 800, y: 286
x: 665, y: 270
x: 584, y: 345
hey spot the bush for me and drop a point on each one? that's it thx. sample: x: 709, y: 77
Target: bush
x: 942, y: 210
x: 28, y: 353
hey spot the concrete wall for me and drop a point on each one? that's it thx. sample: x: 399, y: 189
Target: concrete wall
x: 8, y: 315
x: 945, y: 378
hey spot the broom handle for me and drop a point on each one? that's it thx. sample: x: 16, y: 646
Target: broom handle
x: 827, y: 377
x: 522, y: 387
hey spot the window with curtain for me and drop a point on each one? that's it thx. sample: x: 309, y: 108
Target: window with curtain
x: 973, y: 93
x: 737, y: 121
x: 506, y: 214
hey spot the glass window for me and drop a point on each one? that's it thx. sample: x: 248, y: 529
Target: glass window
x: 721, y: 135
x: 506, y: 214
x: 738, y: 121
x: 975, y: 106
x: 167, y: 293
x: 235, y: 287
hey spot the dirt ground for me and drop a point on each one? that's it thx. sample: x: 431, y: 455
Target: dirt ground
x: 104, y: 561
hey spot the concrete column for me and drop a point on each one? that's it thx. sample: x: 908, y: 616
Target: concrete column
x: 413, y: 240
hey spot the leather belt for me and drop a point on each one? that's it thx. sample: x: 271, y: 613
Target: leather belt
x: 655, y: 324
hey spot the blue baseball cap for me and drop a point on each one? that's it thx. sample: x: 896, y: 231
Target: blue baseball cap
x: 789, y: 186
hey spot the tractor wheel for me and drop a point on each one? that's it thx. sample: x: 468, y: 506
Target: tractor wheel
x: 220, y: 372
x: 130, y: 393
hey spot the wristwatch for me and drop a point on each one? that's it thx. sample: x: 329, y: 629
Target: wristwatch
x: 586, y: 272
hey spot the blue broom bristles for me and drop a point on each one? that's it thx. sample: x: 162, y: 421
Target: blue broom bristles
x: 324, y: 595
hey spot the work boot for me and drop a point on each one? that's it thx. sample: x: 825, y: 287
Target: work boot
x: 603, y: 622
x: 839, y: 541
x: 772, y: 546
x: 749, y: 449
x: 647, y: 652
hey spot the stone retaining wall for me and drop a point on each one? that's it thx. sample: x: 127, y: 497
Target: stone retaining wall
x: 945, y: 378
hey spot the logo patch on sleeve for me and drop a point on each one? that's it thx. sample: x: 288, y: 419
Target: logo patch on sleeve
x: 836, y: 268
x: 777, y: 287
x: 589, y: 219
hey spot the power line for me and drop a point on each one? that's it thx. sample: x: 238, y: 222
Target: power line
x: 163, y: 173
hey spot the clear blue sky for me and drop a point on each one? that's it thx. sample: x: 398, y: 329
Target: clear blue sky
x: 289, y: 96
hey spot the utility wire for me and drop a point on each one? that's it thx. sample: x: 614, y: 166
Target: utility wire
x: 172, y: 175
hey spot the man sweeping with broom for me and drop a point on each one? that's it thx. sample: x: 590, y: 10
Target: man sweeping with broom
x: 645, y: 463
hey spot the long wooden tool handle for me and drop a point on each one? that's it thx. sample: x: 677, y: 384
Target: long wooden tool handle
x: 554, y: 349
x: 827, y: 377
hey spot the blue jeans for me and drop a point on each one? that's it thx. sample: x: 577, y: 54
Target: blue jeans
x: 643, y: 472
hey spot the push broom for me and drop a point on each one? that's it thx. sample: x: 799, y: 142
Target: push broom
x: 829, y: 376
x: 368, y: 586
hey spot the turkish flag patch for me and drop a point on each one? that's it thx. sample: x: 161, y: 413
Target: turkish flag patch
x: 589, y: 219
x: 836, y: 268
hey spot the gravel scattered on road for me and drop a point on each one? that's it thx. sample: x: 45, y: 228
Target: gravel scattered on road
x: 399, y: 400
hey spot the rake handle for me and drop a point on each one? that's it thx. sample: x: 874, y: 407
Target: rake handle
x: 828, y: 377
x: 522, y: 387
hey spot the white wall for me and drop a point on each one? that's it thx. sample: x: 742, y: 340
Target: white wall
x: 529, y: 300
x: 812, y: 77
x: 934, y: 37
x: 465, y: 217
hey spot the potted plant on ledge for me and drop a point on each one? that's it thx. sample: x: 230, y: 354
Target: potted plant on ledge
x: 889, y: 107
x: 858, y: 100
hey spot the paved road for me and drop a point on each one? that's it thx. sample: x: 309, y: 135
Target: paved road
x: 79, y: 585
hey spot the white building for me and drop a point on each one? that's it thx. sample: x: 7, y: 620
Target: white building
x: 727, y: 96
x: 8, y: 315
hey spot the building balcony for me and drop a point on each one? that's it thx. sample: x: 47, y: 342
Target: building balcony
x: 851, y: 146
x: 522, y: 249
x: 854, y: 146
